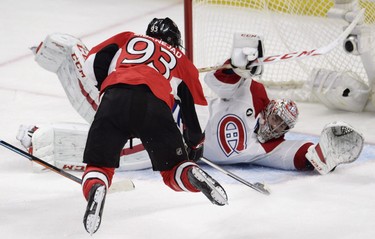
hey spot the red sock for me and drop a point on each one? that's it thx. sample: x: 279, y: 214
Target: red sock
x: 177, y: 177
x: 300, y: 161
x: 96, y: 175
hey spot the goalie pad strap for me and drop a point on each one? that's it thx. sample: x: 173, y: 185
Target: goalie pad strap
x: 320, y: 153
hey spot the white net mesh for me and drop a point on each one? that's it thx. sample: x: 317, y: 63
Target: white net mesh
x: 286, y: 26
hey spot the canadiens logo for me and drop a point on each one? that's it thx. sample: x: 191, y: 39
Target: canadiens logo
x: 231, y: 134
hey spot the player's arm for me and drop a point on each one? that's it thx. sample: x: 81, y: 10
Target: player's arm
x: 223, y: 82
x: 99, y: 65
x: 246, y: 49
x: 192, y: 132
x: 102, y: 58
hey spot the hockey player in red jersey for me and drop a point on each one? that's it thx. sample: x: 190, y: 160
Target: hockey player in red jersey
x: 139, y: 77
x: 244, y: 126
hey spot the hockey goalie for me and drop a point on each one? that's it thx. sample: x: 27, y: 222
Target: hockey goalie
x: 245, y: 126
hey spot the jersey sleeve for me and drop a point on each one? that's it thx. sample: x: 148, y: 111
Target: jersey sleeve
x: 223, y: 82
x: 100, y: 57
x: 190, y: 77
x: 189, y: 94
x: 260, y: 97
x: 192, y: 130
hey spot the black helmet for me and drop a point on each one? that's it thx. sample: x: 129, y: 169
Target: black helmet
x: 166, y: 30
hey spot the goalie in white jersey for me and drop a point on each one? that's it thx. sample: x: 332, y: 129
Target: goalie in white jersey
x: 244, y: 126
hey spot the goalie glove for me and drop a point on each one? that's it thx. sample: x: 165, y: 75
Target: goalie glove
x: 246, y: 49
x: 339, y: 143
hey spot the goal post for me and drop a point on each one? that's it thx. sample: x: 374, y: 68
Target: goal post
x: 188, y: 15
x: 286, y: 26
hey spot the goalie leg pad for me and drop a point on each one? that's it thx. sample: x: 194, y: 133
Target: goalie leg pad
x: 54, y: 50
x: 65, y: 55
x: 339, y: 90
x: 80, y: 89
x: 339, y: 143
x: 62, y: 144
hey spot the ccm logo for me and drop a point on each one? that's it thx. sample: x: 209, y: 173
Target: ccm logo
x: 76, y: 59
x: 248, y: 35
x: 291, y: 55
x: 74, y: 167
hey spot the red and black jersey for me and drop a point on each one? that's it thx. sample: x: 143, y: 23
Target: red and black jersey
x: 129, y: 58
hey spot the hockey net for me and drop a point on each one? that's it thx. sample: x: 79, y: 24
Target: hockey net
x: 286, y: 26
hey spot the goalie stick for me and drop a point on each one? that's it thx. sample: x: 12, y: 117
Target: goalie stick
x: 300, y: 54
x: 125, y: 185
x: 260, y: 187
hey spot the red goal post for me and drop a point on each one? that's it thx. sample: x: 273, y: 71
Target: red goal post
x: 286, y: 26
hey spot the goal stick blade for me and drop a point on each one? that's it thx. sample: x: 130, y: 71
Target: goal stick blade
x: 260, y: 187
x: 122, y: 186
x: 300, y: 54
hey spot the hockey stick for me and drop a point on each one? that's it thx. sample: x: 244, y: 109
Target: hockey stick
x: 256, y: 186
x: 300, y: 54
x: 125, y: 185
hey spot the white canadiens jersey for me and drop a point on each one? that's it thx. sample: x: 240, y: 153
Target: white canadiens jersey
x: 230, y: 136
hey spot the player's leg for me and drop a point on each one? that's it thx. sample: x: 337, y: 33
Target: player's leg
x: 288, y: 155
x: 164, y: 143
x: 105, y: 141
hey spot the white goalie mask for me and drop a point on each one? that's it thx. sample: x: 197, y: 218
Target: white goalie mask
x: 278, y: 118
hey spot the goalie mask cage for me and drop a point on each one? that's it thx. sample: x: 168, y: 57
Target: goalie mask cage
x: 286, y: 26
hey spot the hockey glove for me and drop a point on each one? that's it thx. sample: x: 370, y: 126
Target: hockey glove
x: 247, y: 48
x: 338, y: 143
x: 195, y: 152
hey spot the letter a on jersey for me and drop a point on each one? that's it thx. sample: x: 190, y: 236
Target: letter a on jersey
x: 231, y: 134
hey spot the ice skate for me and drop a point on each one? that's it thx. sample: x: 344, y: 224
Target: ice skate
x: 208, y: 186
x: 94, y: 210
